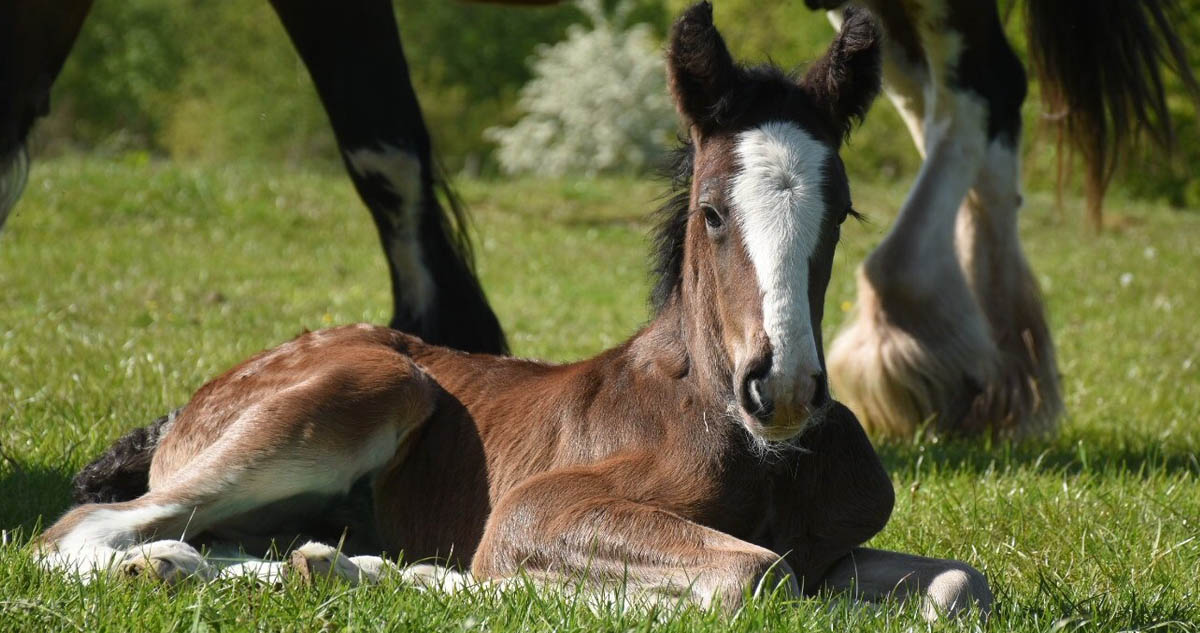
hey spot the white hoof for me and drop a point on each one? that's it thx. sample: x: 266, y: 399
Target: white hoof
x: 168, y: 561
x: 953, y: 592
x: 312, y: 561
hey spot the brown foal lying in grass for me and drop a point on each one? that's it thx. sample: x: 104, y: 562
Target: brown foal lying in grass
x: 702, y: 458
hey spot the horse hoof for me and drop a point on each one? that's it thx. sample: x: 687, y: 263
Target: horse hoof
x: 165, y: 561
x: 947, y: 376
x: 314, y: 561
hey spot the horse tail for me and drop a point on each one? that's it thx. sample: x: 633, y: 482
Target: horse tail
x: 122, y: 473
x: 1100, y: 62
x: 461, y: 317
x: 14, y: 171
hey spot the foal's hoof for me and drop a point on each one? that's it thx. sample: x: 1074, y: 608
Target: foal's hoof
x: 777, y: 578
x: 955, y: 592
x: 313, y: 561
x: 165, y: 561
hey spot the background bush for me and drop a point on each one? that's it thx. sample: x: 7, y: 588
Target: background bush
x: 218, y: 81
x: 597, y: 102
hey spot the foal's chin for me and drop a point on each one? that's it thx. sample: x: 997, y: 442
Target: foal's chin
x: 783, y: 425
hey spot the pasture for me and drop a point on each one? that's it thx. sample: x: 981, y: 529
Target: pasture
x: 125, y: 284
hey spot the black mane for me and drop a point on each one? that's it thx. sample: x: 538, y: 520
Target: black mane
x: 671, y: 226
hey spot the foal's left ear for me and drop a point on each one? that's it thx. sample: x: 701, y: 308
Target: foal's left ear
x: 846, y: 79
x: 700, y: 70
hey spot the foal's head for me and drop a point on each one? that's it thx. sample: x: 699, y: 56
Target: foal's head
x: 748, y: 248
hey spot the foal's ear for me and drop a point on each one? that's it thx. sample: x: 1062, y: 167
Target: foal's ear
x: 700, y: 69
x: 846, y: 79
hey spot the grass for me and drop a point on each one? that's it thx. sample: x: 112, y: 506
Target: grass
x: 126, y: 285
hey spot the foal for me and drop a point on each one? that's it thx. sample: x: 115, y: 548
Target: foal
x: 701, y: 458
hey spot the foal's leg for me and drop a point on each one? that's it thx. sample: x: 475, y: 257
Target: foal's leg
x: 259, y: 451
x: 568, y: 524
x: 923, y: 344
x: 352, y: 51
x: 945, y: 587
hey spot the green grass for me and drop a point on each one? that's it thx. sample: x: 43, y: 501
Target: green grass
x: 125, y: 285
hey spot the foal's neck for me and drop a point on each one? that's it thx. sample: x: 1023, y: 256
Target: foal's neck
x: 682, y: 345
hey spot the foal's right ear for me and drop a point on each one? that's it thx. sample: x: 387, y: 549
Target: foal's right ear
x: 700, y: 69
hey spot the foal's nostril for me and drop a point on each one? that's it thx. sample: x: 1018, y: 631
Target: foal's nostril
x: 821, y: 393
x: 753, y: 394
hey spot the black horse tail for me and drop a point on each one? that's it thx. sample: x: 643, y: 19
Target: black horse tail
x: 122, y: 472
x: 14, y: 171
x: 461, y: 317
x: 1100, y: 63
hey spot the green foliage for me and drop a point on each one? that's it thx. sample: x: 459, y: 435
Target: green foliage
x: 218, y: 80
x: 127, y: 285
x: 192, y: 80
x: 122, y: 75
x: 597, y: 102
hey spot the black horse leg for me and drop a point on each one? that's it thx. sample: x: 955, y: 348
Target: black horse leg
x: 352, y: 51
x: 35, y: 37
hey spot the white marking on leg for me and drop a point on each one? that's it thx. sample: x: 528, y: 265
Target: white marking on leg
x: 778, y: 192
x: 95, y: 543
x: 272, y: 573
x: 401, y: 170
x: 436, y: 578
x: 918, y: 253
x: 995, y: 198
x: 373, y: 568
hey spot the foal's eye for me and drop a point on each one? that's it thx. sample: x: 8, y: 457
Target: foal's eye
x: 712, y: 217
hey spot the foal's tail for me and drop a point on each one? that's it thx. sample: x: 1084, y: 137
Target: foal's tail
x: 122, y: 472
x: 1100, y: 62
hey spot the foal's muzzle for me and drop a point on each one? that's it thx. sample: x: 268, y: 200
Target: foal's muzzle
x: 775, y: 404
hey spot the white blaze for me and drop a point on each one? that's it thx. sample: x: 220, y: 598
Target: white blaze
x: 779, y: 201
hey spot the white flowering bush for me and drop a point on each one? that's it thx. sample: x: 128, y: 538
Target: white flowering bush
x: 598, y: 101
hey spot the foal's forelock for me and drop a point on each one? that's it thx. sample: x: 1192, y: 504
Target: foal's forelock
x: 779, y: 205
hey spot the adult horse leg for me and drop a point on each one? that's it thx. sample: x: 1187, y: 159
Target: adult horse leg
x: 951, y: 332
x: 353, y: 54
x: 1023, y: 396
x: 35, y: 38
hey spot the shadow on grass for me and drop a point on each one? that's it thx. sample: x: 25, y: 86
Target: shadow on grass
x: 1097, y: 454
x: 33, y: 494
